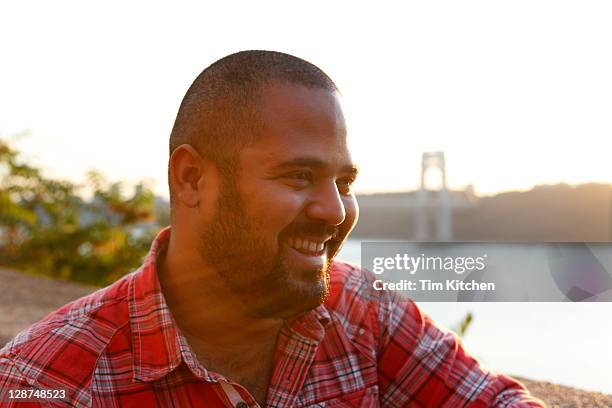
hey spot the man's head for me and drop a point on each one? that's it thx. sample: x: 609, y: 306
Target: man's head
x: 219, y: 113
x: 260, y: 177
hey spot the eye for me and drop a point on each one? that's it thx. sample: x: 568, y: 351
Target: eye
x: 344, y: 185
x: 299, y: 179
x: 301, y: 175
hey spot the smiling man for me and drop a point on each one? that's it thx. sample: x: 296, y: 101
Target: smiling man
x: 240, y: 302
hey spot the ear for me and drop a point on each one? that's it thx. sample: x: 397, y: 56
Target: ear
x: 186, y: 172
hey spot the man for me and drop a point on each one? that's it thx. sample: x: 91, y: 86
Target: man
x: 240, y: 303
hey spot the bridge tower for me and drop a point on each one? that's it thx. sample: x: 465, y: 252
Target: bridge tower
x: 434, y: 207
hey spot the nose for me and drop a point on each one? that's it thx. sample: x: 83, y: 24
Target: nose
x: 326, y: 205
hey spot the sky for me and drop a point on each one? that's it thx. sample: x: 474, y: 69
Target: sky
x: 515, y: 93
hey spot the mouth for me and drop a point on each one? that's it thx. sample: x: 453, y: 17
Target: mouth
x: 309, y: 246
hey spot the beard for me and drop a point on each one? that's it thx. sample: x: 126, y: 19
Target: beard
x: 257, y: 270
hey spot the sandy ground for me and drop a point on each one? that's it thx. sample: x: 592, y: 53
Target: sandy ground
x: 558, y: 396
x: 26, y: 299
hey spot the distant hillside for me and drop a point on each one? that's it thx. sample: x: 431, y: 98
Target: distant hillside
x: 545, y: 213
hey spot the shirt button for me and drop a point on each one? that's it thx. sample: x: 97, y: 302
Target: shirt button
x: 242, y: 404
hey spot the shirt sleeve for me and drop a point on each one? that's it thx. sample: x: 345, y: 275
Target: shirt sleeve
x: 426, y: 365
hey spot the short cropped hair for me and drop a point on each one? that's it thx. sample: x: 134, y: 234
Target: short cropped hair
x: 218, y: 114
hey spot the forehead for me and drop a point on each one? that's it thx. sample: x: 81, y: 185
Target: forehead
x: 299, y: 121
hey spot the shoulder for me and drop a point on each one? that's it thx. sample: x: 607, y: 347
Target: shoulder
x: 349, y: 283
x: 63, y: 348
x: 356, y: 303
x: 354, y: 299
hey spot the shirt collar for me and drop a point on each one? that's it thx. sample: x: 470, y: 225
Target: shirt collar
x: 158, y: 345
x: 155, y: 341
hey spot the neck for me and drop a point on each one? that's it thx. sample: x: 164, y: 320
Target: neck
x: 204, y: 308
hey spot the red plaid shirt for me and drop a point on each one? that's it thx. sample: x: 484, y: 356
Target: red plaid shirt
x: 120, y: 347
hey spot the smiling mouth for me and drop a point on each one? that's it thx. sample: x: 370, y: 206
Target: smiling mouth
x: 308, y: 246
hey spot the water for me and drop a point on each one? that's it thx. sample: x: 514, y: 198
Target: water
x: 564, y: 343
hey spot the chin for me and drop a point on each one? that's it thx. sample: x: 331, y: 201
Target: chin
x: 299, y: 295
x: 334, y: 249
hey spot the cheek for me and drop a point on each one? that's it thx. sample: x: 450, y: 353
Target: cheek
x: 352, y: 214
x: 210, y: 194
x: 274, y: 208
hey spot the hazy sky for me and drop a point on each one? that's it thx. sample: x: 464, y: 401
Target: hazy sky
x: 516, y: 93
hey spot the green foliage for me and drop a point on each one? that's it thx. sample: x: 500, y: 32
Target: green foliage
x: 47, y: 228
x: 464, y: 324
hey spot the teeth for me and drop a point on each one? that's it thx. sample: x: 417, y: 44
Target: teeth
x: 312, y: 246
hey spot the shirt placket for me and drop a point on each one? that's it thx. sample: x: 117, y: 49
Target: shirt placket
x: 233, y: 396
x: 295, y: 353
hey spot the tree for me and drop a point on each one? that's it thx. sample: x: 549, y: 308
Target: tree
x: 47, y: 228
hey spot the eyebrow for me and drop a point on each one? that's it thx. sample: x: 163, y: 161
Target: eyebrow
x: 315, y: 162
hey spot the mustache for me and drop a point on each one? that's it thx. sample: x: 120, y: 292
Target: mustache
x: 313, y: 228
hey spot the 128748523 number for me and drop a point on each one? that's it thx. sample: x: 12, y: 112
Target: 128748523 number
x: 32, y: 394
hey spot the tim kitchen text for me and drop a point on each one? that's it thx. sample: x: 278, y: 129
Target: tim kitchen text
x: 432, y: 286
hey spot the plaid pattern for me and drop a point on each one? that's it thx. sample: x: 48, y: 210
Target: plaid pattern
x: 120, y: 347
